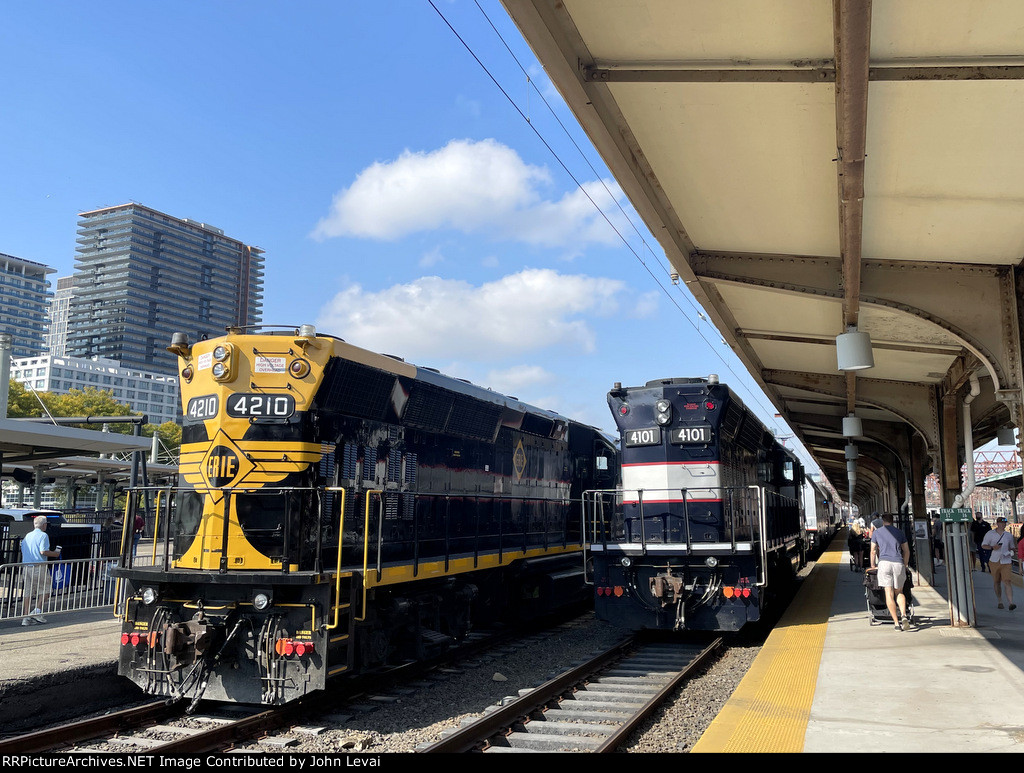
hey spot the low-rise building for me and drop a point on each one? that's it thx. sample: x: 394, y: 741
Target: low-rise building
x: 153, y: 394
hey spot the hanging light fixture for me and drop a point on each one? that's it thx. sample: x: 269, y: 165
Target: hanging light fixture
x: 852, y: 426
x: 853, y: 350
x: 851, y: 451
x: 1005, y: 436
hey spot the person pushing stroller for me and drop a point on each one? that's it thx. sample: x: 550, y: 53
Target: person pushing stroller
x: 890, y: 555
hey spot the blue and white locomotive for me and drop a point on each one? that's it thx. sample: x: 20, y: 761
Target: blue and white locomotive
x: 706, y: 529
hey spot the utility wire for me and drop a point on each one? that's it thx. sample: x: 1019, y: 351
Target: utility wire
x: 579, y: 185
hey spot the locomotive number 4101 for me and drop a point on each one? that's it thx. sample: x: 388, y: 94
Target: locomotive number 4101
x: 651, y: 436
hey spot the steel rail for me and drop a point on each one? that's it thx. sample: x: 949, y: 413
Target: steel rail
x: 64, y: 735
x: 617, y: 738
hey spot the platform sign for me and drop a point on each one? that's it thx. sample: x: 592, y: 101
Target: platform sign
x: 955, y: 514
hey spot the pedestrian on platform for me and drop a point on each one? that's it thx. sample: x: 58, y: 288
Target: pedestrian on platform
x: 890, y: 555
x: 979, y: 528
x: 1000, y: 542
x: 938, y: 547
x: 35, y: 549
x: 855, y: 544
x: 140, y: 527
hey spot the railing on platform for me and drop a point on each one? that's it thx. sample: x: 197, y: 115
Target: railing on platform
x: 73, y: 586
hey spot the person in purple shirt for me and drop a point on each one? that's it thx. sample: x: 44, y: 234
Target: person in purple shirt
x: 890, y: 554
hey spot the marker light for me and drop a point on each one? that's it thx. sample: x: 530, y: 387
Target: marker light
x: 261, y: 601
x: 299, y: 368
x: 148, y: 596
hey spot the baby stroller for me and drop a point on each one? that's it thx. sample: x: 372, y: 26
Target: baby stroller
x: 878, y: 612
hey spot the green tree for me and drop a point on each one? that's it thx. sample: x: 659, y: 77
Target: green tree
x: 21, y: 403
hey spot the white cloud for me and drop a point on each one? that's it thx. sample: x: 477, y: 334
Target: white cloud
x: 472, y: 187
x: 434, y: 318
x: 432, y: 258
x: 517, y: 379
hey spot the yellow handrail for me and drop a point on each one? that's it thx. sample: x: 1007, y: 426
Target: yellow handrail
x: 366, y: 547
x: 156, y: 523
x: 124, y: 533
x: 337, y: 574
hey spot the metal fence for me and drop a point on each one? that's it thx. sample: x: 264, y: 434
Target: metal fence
x: 71, y: 586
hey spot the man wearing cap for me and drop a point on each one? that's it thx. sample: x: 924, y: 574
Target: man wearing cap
x: 1001, y: 543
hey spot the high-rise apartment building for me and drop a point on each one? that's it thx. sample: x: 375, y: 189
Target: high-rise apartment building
x: 56, y: 338
x: 24, y: 303
x: 142, y: 275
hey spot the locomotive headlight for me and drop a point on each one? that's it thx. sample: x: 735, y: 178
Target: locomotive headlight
x: 224, y: 355
x: 663, y: 412
x: 261, y: 601
x: 148, y: 596
x: 626, y: 561
x: 710, y: 562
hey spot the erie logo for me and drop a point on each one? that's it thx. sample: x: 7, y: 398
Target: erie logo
x: 224, y: 466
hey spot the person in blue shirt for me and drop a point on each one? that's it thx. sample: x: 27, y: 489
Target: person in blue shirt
x: 890, y: 554
x: 35, y: 549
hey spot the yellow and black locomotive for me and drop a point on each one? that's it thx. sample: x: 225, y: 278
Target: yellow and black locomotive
x: 339, y: 510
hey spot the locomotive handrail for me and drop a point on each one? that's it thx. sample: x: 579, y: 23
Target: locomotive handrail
x: 337, y: 573
x: 366, y: 547
x: 124, y: 531
x: 762, y: 525
x: 643, y: 530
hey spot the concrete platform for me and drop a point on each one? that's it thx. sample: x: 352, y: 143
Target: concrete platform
x: 70, y: 657
x: 861, y: 687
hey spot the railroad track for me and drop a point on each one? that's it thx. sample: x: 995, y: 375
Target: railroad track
x: 168, y: 727
x: 593, y: 707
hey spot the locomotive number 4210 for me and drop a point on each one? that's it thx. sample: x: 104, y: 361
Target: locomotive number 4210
x: 260, y: 406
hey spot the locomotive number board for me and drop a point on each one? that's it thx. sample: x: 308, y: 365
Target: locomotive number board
x: 647, y: 436
x: 700, y: 433
x: 255, y: 406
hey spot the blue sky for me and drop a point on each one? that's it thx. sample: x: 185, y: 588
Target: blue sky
x: 404, y: 201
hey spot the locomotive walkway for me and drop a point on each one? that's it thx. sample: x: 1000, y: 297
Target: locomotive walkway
x: 827, y: 680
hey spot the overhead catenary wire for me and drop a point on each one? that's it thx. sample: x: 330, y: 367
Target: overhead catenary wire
x: 531, y: 86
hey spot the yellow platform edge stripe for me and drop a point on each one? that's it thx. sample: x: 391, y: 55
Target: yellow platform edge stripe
x: 770, y: 708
